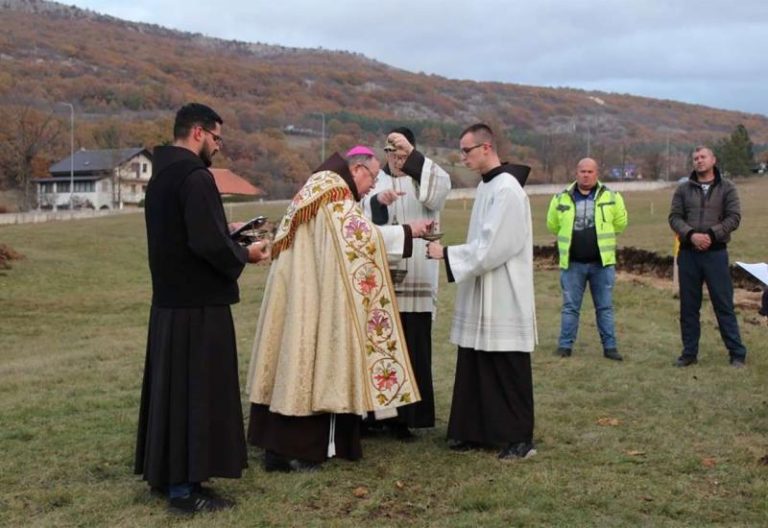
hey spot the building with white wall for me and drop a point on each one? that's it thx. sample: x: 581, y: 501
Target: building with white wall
x: 103, y: 179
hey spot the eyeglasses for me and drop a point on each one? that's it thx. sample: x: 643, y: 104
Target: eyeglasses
x: 467, y: 150
x: 374, y: 177
x: 217, y: 138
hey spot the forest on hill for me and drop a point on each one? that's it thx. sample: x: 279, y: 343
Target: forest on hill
x: 125, y: 80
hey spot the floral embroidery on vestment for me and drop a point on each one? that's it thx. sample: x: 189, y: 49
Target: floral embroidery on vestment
x: 385, y: 348
x: 389, y: 374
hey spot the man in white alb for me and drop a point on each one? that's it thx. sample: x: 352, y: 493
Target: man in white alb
x: 494, y: 322
x: 412, y: 187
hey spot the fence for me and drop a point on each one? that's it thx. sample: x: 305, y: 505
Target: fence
x: 36, y: 217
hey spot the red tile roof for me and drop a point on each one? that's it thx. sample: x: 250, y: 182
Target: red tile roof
x: 230, y: 183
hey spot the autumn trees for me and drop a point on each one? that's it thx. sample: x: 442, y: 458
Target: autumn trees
x: 27, y: 136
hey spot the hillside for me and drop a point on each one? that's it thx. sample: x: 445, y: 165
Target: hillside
x: 126, y: 79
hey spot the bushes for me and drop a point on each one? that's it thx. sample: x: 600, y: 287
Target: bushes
x: 7, y: 254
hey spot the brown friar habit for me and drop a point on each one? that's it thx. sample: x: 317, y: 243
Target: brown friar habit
x: 329, y: 345
x: 190, y: 421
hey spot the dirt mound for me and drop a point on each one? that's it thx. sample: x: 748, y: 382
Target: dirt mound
x: 7, y: 254
x: 648, y: 263
x: 646, y: 267
x: 630, y: 260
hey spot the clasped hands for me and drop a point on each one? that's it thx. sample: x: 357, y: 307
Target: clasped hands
x: 701, y: 241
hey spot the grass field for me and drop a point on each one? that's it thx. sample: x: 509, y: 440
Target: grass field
x: 620, y: 444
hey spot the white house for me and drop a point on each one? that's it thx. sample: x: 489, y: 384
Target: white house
x: 103, y: 179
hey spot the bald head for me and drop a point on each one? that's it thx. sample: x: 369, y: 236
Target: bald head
x: 587, y: 172
x: 587, y: 162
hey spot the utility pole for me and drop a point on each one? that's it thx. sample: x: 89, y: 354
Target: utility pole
x: 71, y: 157
x: 667, y: 178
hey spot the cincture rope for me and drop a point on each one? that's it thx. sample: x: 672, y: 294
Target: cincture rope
x: 332, y: 438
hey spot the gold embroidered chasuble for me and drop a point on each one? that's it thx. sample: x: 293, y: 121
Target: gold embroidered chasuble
x: 329, y: 337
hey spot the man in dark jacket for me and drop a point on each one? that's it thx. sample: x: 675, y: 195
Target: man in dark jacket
x: 190, y: 422
x: 705, y: 210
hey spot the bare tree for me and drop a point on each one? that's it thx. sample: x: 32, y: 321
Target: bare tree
x: 654, y: 164
x: 566, y: 152
x: 27, y: 133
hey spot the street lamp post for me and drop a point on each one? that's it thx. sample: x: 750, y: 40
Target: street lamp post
x: 71, y: 155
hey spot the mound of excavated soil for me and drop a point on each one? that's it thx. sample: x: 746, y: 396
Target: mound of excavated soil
x: 647, y: 267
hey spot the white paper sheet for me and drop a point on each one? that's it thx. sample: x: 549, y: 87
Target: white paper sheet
x: 758, y: 270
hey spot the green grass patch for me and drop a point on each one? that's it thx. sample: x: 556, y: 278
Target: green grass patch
x: 684, y: 448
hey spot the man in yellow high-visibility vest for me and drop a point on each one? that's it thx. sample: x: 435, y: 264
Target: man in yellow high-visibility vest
x: 586, y: 217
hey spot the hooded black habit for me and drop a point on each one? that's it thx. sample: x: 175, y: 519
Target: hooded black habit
x: 190, y: 421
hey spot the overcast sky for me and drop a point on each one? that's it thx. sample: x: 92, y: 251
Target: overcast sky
x: 710, y: 52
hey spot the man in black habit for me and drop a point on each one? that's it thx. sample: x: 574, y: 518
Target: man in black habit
x: 190, y: 421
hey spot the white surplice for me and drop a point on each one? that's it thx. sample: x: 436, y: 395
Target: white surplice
x: 495, y: 306
x: 424, y: 198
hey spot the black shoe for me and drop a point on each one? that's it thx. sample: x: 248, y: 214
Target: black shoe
x: 517, y: 450
x: 684, y: 361
x: 737, y: 363
x: 303, y: 466
x: 275, y: 462
x: 563, y: 352
x: 402, y: 432
x: 612, y: 353
x: 159, y: 492
x: 197, y: 503
x: 207, y: 492
x: 462, y: 446
x: 371, y: 428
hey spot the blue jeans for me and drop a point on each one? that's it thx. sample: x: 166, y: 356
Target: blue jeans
x: 710, y: 267
x: 573, y: 282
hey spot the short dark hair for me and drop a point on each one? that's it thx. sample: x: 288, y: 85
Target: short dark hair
x: 481, y: 131
x: 407, y: 132
x: 194, y: 114
x: 699, y: 148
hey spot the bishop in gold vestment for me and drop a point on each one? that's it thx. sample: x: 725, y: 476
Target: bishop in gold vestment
x: 329, y: 344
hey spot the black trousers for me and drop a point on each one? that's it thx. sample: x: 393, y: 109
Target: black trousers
x: 711, y: 268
